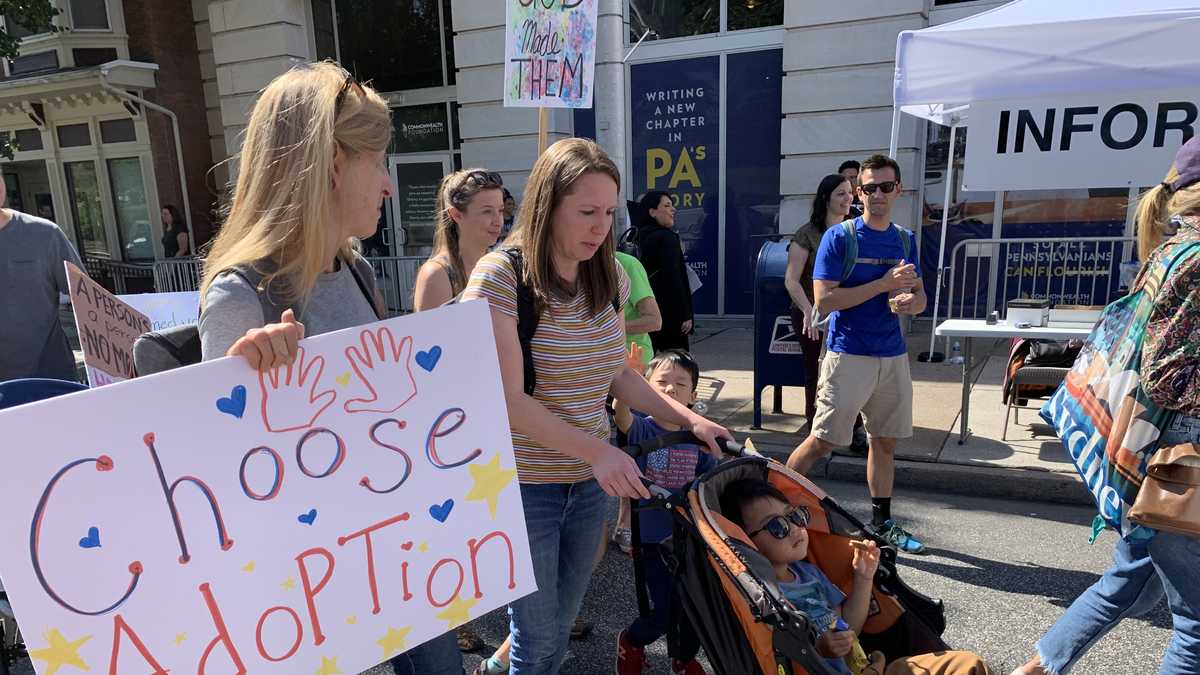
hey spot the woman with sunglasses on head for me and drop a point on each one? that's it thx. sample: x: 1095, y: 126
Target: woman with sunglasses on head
x: 469, y: 218
x: 562, y: 253
x: 311, y: 181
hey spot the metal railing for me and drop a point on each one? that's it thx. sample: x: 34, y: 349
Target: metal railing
x: 177, y: 275
x: 986, y: 273
x: 396, y: 277
x: 119, y: 272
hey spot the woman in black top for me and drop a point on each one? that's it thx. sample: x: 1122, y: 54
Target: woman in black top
x: 662, y: 256
x: 175, y: 237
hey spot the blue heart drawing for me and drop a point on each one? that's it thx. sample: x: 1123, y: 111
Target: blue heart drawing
x: 441, y: 512
x: 92, y: 540
x: 235, y: 403
x: 307, y: 518
x: 429, y: 360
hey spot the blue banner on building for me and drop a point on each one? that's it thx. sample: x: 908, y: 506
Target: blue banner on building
x: 675, y: 120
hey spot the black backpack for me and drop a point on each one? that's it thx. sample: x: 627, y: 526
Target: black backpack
x: 159, y: 351
x: 529, y: 314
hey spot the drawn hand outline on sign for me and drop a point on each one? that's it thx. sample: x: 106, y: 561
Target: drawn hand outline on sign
x: 289, y: 393
x: 384, y: 362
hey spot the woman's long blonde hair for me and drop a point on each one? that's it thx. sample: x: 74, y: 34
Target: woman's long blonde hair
x: 553, y: 177
x: 1156, y: 208
x: 456, y: 190
x: 282, y: 206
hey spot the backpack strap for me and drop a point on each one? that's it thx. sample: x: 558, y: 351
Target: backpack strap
x: 529, y: 315
x: 850, y: 254
x: 850, y: 257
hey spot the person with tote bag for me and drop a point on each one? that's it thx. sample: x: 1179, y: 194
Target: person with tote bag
x: 1129, y: 415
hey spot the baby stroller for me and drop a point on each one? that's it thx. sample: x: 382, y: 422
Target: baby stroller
x: 728, y: 591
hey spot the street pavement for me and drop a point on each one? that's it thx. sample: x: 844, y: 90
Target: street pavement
x: 1005, y: 569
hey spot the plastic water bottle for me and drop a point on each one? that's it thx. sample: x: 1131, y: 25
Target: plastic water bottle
x: 956, y: 356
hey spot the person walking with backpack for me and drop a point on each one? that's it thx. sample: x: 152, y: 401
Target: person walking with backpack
x: 470, y: 207
x: 1149, y: 564
x: 830, y: 207
x: 662, y: 255
x: 554, y: 296
x: 311, y: 180
x: 866, y: 275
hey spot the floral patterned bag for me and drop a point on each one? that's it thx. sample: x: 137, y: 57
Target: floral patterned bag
x: 1101, y: 412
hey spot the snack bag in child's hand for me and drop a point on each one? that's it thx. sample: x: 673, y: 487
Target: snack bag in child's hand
x: 856, y: 660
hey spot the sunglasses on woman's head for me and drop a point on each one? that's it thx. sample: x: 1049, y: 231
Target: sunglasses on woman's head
x: 886, y: 186
x: 481, y: 180
x: 781, y: 526
x: 341, y: 96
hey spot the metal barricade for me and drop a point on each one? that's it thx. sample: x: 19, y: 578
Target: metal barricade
x: 396, y: 277
x: 177, y: 275
x: 118, y: 273
x: 986, y: 273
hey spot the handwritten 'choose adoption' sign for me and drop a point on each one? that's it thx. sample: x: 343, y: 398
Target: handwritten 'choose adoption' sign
x: 321, y: 517
x: 550, y: 53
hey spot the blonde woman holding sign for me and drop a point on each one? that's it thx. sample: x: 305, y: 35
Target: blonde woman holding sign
x: 311, y: 181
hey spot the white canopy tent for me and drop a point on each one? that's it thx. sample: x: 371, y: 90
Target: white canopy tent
x: 1041, y: 48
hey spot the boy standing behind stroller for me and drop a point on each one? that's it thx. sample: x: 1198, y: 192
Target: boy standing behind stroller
x: 777, y: 530
x: 675, y: 374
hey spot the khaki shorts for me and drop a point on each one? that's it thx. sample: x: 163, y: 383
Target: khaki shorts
x: 879, y: 387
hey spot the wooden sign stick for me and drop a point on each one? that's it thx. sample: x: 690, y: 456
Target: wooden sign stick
x: 543, y: 130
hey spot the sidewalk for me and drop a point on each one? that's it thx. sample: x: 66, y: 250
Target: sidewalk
x: 1031, y: 464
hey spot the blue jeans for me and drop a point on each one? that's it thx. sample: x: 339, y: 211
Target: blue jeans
x: 439, y: 656
x: 565, y: 522
x: 1141, y: 574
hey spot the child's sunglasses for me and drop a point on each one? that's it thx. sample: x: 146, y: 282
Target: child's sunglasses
x: 781, y: 526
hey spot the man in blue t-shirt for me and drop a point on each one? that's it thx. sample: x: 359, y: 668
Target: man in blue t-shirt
x: 866, y: 367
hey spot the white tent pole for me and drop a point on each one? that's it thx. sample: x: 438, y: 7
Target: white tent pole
x: 895, y: 131
x: 949, y: 178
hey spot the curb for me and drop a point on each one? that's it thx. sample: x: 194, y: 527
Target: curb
x: 962, y: 479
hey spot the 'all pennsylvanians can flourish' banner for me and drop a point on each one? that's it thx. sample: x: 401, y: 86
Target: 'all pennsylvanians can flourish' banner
x: 318, y: 518
x: 549, y: 53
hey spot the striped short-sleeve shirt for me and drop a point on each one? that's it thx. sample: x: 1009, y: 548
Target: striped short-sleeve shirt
x: 575, y: 355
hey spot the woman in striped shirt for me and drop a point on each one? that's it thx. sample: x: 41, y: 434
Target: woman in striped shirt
x: 560, y: 431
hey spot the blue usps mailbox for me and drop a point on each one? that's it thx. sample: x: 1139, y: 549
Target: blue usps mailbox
x: 777, y: 359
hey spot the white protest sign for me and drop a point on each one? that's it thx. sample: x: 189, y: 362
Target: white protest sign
x: 319, y: 518
x: 166, y: 310
x: 549, y: 53
x: 1106, y: 139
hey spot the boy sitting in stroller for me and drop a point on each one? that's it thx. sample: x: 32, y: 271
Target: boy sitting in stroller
x: 777, y: 530
x: 676, y: 374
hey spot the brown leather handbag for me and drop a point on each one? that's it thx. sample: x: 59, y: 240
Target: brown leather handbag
x: 1169, y: 498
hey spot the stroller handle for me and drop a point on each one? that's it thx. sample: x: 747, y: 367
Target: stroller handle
x: 684, y: 436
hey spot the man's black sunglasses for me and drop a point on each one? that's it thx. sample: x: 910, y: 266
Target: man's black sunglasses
x: 887, y: 186
x: 781, y: 526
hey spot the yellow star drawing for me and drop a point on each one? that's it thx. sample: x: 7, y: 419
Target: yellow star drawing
x: 248, y: 567
x: 352, y: 619
x: 328, y: 667
x: 288, y: 584
x: 457, y: 613
x: 490, y: 481
x: 393, y: 642
x: 61, y: 652
x: 179, y: 638
x: 424, y: 547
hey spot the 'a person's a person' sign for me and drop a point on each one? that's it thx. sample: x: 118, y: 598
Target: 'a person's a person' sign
x: 319, y: 518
